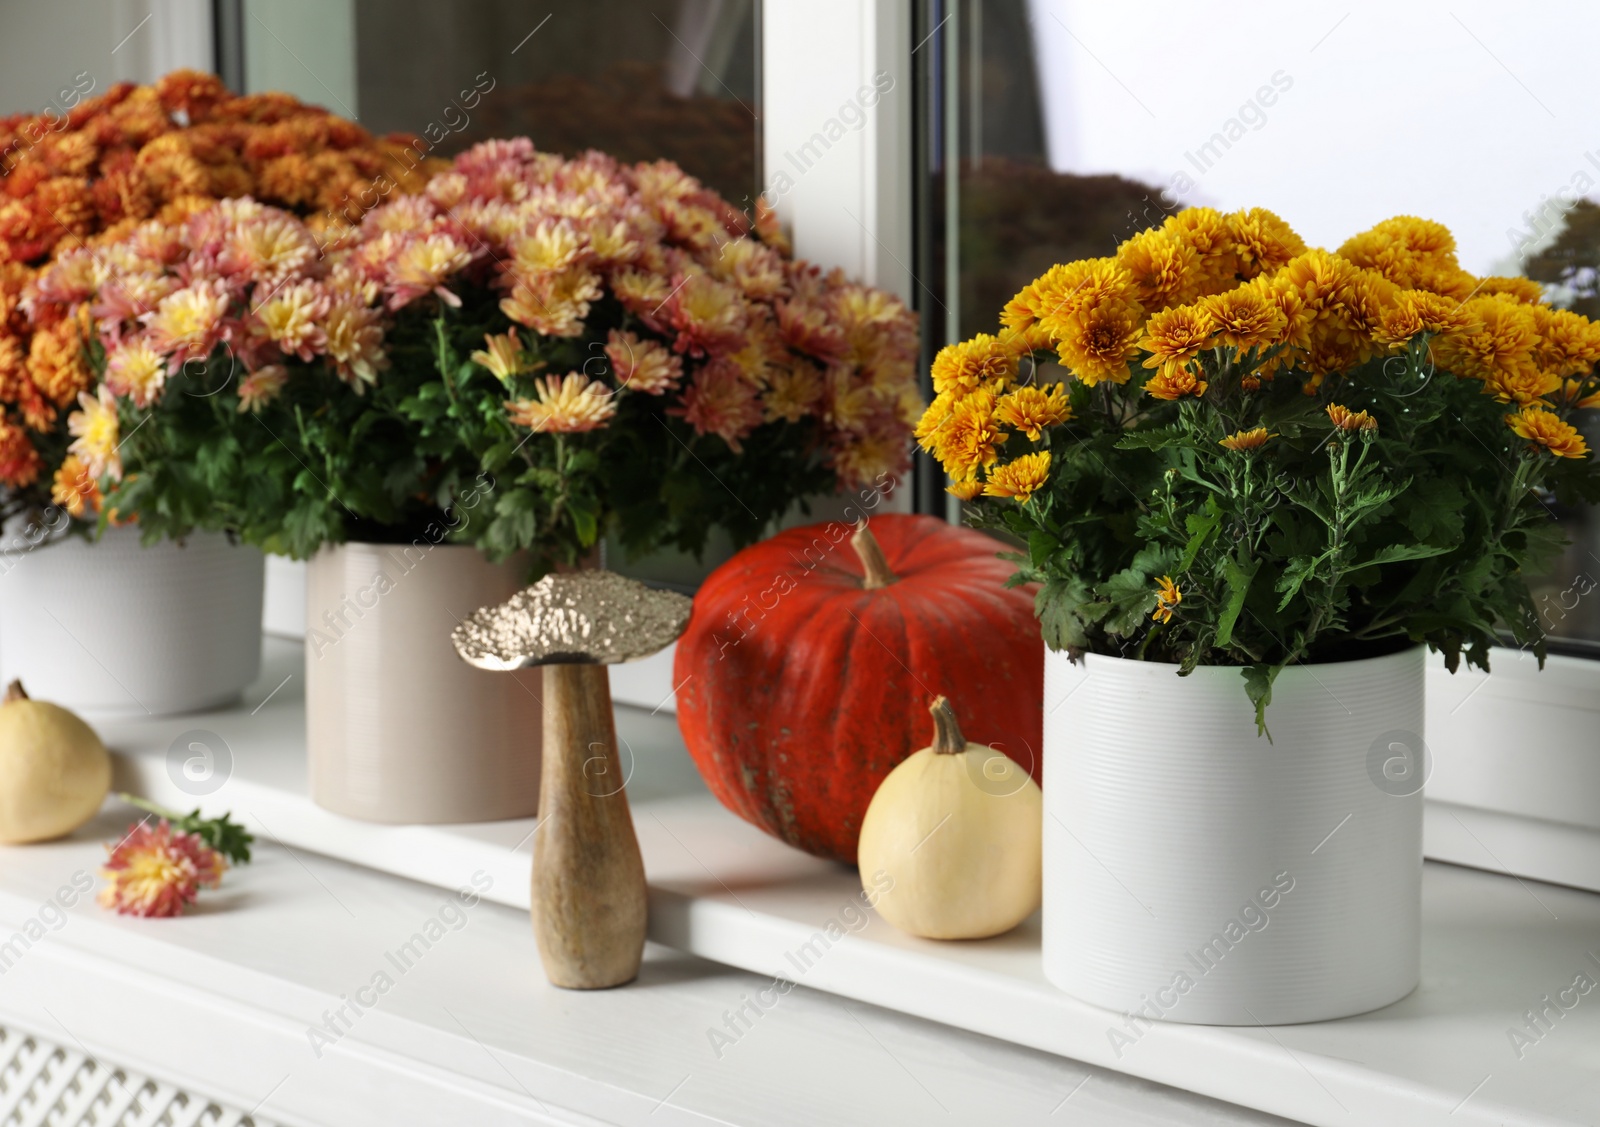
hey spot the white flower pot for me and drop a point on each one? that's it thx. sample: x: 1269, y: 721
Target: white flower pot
x: 112, y: 627
x: 399, y: 728
x: 1194, y: 872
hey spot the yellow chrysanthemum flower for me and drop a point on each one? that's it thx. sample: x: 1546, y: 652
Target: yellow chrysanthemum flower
x: 1568, y: 344
x: 1244, y: 317
x: 1165, y: 269
x: 1524, y: 291
x: 1100, y: 341
x: 1168, y: 596
x: 1174, y: 382
x: 965, y: 490
x: 1262, y: 242
x: 1176, y: 335
x: 1020, y: 479
x: 1499, y: 350
x: 554, y: 245
x: 1056, y: 297
x: 96, y: 433
x: 970, y: 438
x: 1033, y: 410
x: 983, y: 361
x: 1207, y: 231
x: 1546, y: 429
x: 1252, y: 439
x: 1412, y: 253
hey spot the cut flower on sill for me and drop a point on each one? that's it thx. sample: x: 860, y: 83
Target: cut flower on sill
x: 1223, y: 447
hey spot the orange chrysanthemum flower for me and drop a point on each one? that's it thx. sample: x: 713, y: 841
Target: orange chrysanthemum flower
x: 19, y: 461
x: 74, y: 487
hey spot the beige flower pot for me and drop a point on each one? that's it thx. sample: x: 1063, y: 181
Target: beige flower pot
x: 400, y: 729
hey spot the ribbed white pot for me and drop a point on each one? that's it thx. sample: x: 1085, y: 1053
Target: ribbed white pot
x: 109, y: 626
x: 1194, y: 872
x: 399, y: 728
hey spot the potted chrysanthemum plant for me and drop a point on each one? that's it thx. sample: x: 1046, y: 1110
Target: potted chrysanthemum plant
x: 1255, y: 482
x: 469, y: 387
x: 113, y: 616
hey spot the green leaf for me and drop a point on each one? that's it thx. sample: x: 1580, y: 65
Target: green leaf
x: 1131, y: 598
x: 1434, y: 512
x: 1258, y: 681
x: 1544, y: 542
x: 1238, y: 577
x: 1397, y: 553
x: 1058, y: 606
x: 1201, y: 527
x: 584, y: 521
x: 1295, y: 573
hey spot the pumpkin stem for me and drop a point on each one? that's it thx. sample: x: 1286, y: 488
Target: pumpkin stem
x: 15, y: 691
x: 947, y: 737
x: 872, y: 561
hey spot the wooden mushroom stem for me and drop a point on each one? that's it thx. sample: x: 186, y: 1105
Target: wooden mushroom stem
x: 875, y: 567
x: 588, y: 876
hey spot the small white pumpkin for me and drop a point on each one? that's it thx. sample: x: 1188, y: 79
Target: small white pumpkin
x: 54, y: 771
x: 957, y: 829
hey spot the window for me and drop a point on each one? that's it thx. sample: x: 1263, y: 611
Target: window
x: 1054, y: 129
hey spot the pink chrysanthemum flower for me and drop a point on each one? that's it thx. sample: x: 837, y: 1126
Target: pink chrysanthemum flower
x: 136, y: 370
x: 575, y: 403
x: 158, y: 871
x: 709, y: 316
x: 645, y: 366
x: 189, y: 323
x: 423, y: 266
x: 722, y: 402
x: 261, y: 387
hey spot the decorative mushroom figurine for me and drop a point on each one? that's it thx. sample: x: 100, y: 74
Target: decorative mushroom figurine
x: 588, y: 877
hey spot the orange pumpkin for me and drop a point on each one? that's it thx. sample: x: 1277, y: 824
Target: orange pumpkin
x: 806, y: 671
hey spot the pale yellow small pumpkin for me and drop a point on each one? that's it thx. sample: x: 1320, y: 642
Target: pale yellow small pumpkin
x: 54, y: 771
x: 957, y: 828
